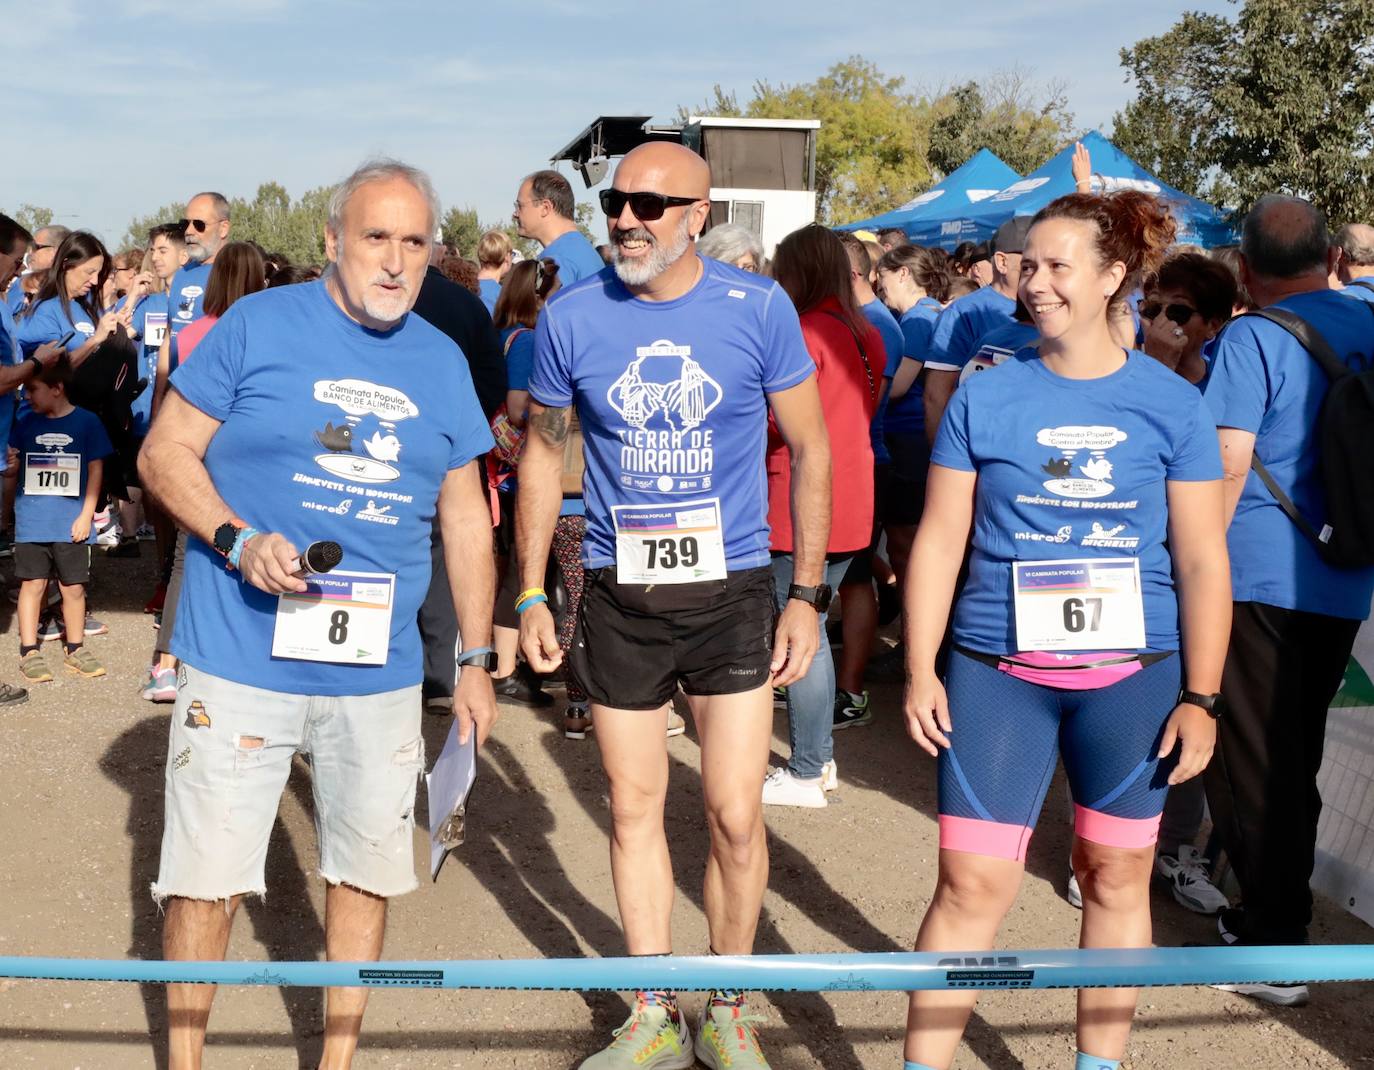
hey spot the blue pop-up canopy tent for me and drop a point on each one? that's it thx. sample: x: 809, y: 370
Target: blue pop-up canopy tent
x: 982, y: 176
x: 1198, y: 222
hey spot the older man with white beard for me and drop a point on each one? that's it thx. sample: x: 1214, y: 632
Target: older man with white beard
x: 322, y: 411
x: 673, y: 362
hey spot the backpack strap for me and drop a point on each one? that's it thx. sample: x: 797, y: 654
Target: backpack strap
x: 1319, y: 349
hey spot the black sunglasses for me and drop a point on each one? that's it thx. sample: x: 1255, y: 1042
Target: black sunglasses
x: 199, y: 224
x: 646, y: 206
x: 1179, y: 314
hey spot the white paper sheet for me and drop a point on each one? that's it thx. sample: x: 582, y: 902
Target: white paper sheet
x: 447, y: 786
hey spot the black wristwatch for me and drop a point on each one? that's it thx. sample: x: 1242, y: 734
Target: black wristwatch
x: 480, y: 659
x: 37, y: 364
x: 225, y: 535
x: 1215, y: 705
x: 817, y: 597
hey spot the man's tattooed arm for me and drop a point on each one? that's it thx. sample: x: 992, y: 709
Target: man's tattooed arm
x: 552, y: 424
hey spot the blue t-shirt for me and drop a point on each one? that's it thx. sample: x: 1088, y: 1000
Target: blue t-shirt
x: 1361, y: 292
x: 906, y: 415
x: 48, y: 322
x: 186, y: 299
x: 577, y: 257
x: 997, y: 346
x: 518, y: 342
x: 9, y: 354
x: 965, y: 321
x: 14, y: 296
x: 150, y: 322
x: 1072, y: 468
x: 881, y: 317
x: 328, y: 431
x: 665, y: 389
x: 1264, y: 382
x: 489, y: 290
x: 48, y: 517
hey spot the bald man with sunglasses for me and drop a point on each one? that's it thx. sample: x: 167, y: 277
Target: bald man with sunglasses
x: 674, y: 363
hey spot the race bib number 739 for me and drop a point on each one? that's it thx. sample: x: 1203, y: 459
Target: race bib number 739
x: 669, y: 543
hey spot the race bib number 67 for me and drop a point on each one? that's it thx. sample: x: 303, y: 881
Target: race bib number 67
x: 669, y: 543
x: 1087, y: 604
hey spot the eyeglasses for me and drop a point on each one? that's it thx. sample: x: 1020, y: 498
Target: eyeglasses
x: 1176, y: 313
x: 520, y: 205
x: 199, y: 224
x: 646, y: 206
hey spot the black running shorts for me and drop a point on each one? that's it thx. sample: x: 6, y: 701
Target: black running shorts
x: 71, y: 561
x: 635, y: 645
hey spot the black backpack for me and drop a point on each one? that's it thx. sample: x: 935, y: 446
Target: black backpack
x: 1345, y: 442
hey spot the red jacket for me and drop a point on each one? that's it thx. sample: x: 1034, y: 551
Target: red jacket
x: 849, y: 400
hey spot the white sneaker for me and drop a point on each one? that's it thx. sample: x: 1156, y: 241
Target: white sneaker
x: 1282, y: 995
x: 676, y: 725
x: 783, y: 789
x: 1187, y: 877
x: 1073, y: 893
x: 830, y: 776
x: 107, y: 535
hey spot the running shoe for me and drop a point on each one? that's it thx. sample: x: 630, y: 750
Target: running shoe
x: 1282, y: 995
x: 830, y: 775
x: 49, y: 630
x: 95, y: 627
x: 439, y: 705
x: 145, y: 533
x: 782, y: 788
x: 1073, y: 893
x: 83, y: 663
x: 728, y: 1038
x: 521, y: 688
x: 107, y: 530
x: 577, y: 721
x: 650, y: 1039
x: 161, y: 685
x: 851, y: 710
x: 34, y: 669
x: 1186, y: 873
x: 676, y: 725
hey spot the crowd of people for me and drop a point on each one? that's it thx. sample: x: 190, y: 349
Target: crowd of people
x: 1082, y: 463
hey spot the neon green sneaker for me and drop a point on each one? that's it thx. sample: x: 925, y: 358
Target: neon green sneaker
x: 727, y: 1039
x: 649, y: 1040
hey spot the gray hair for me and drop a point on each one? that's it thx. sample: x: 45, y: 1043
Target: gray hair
x: 380, y: 169
x: 729, y: 242
x: 1284, y: 237
x: 218, y: 200
x: 56, y: 234
x: 1356, y: 241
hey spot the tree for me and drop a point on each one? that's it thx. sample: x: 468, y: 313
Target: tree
x: 880, y: 144
x: 1277, y: 100
x: 32, y: 218
x: 462, y: 230
x: 271, y: 218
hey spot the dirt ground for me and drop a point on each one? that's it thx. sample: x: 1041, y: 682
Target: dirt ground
x: 81, y: 823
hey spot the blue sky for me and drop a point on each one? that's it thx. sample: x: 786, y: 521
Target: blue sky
x: 118, y: 107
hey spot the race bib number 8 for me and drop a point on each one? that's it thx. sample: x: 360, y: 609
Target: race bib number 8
x: 52, y: 474
x: 341, y: 617
x: 1090, y: 604
x: 670, y: 543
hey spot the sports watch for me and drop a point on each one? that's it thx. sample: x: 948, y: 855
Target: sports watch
x: 1215, y: 705
x: 816, y: 597
x: 225, y: 535
x: 482, y: 657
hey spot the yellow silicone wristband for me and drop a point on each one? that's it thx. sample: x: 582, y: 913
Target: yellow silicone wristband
x: 526, y: 593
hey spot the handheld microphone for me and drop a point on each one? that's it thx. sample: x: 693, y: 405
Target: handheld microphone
x: 319, y: 557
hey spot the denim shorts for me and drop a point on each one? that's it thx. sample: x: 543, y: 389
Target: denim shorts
x: 228, y: 759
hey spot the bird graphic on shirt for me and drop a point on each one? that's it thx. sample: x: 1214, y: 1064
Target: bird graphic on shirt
x: 339, y: 439
x: 1097, y: 468
x: 383, y: 448
x: 1058, y: 467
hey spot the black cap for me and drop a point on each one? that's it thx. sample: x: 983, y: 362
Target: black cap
x: 981, y: 251
x: 1011, y: 235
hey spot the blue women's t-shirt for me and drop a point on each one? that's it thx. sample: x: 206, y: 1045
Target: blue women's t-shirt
x: 672, y: 396
x: 577, y: 257
x: 997, y: 346
x: 48, y: 517
x: 965, y: 321
x: 1070, y: 469
x: 328, y: 430
x: 906, y: 414
x: 50, y: 322
x: 1264, y: 382
x: 881, y: 317
x: 489, y: 290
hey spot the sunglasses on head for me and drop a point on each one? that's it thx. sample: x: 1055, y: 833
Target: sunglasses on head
x: 1179, y: 314
x: 646, y: 206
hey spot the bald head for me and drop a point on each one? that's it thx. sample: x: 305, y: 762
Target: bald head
x: 664, y: 167
x: 1356, y: 243
x: 1284, y: 238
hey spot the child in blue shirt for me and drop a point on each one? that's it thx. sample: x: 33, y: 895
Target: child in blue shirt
x: 59, y: 453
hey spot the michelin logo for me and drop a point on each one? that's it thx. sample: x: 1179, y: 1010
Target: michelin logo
x: 377, y: 515
x: 1109, y: 538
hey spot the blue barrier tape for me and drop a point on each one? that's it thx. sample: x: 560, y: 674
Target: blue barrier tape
x: 884, y: 972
